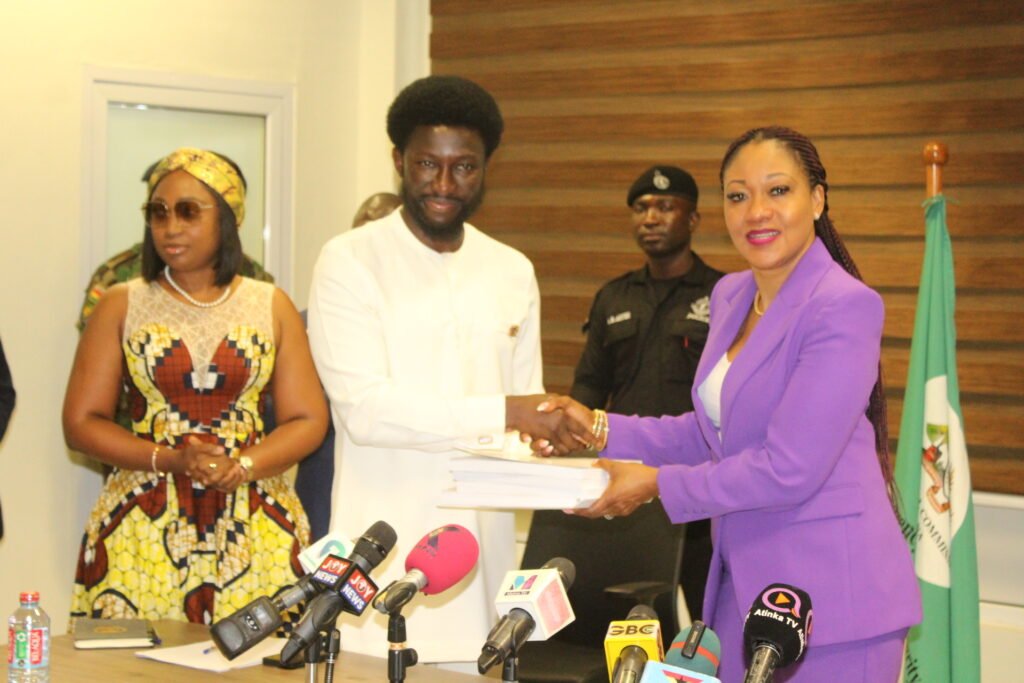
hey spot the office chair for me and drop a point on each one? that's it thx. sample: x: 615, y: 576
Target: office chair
x: 619, y: 562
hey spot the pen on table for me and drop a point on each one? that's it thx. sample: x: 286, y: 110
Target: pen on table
x: 209, y: 650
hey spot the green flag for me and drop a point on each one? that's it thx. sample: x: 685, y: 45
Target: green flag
x: 934, y: 481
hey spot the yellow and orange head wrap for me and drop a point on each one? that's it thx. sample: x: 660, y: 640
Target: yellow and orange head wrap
x: 209, y: 168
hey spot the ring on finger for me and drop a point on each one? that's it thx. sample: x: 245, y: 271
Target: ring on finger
x: 213, y: 465
x: 609, y: 516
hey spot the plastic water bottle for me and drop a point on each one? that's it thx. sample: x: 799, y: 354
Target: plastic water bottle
x: 28, y: 642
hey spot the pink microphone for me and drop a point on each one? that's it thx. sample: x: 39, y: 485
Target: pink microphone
x: 437, y: 562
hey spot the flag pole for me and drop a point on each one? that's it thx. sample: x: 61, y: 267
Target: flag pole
x: 932, y: 471
x: 935, y: 156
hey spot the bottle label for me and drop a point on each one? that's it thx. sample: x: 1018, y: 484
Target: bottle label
x: 26, y: 648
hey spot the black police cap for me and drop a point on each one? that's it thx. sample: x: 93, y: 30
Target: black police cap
x: 663, y: 180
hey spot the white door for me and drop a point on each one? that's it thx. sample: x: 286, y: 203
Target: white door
x: 132, y: 119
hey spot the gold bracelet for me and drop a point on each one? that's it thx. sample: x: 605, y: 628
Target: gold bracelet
x: 245, y: 462
x: 600, y: 430
x: 152, y: 461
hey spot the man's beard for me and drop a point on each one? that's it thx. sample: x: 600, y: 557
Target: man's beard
x: 443, y: 232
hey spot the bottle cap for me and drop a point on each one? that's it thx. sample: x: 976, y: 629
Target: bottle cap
x: 29, y: 596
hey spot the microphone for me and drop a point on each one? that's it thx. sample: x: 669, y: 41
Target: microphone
x: 659, y: 672
x: 346, y: 587
x: 696, y: 649
x: 437, y: 562
x: 776, y: 629
x: 533, y: 605
x: 331, y: 544
x: 692, y: 658
x: 630, y: 643
x: 237, y: 632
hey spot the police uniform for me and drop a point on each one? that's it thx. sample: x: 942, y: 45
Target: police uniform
x: 644, y: 340
x: 643, y: 344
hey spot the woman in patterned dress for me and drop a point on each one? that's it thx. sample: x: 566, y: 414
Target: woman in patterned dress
x: 197, y: 518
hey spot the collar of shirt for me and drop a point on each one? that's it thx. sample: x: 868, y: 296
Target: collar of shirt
x: 698, y: 274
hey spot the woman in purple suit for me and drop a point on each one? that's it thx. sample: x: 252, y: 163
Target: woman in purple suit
x: 786, y: 449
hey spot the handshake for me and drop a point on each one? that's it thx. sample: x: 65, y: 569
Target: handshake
x: 555, y: 425
x: 558, y: 425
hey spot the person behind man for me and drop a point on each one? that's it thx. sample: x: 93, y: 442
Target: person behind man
x: 315, y: 474
x: 647, y: 328
x: 376, y: 206
x: 425, y: 333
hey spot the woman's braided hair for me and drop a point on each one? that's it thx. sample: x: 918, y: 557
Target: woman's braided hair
x: 807, y: 156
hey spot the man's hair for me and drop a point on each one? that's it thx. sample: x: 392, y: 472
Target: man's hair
x: 445, y: 101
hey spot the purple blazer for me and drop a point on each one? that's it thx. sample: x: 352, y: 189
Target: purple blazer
x: 793, y: 486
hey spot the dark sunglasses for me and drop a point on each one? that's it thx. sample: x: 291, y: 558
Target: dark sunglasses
x: 157, y: 214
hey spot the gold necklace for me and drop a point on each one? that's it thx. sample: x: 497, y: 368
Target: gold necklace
x: 758, y: 311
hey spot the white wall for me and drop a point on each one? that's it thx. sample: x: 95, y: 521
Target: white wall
x: 999, y: 527
x: 342, y: 57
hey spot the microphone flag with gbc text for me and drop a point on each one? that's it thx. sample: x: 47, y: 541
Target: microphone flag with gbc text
x: 630, y: 643
x: 776, y: 630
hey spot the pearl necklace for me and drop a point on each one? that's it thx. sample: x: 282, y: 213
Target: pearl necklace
x: 192, y: 300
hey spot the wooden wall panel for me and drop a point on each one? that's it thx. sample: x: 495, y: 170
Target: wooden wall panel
x: 595, y: 91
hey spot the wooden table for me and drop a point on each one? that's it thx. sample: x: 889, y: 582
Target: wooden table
x: 68, y: 665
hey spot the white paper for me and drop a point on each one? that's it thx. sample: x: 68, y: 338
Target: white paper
x: 512, y: 448
x: 514, y: 501
x: 523, y: 482
x: 205, y: 655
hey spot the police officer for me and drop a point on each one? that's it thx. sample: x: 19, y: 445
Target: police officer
x: 647, y: 328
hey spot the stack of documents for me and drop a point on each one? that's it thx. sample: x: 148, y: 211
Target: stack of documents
x: 511, y: 479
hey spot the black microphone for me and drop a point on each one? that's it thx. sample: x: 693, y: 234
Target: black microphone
x: 629, y: 646
x: 347, y: 587
x: 776, y: 629
x: 237, y: 632
x: 530, y: 598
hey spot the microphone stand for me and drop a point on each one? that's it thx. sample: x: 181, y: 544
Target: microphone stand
x: 510, y: 668
x: 332, y: 644
x: 333, y: 648
x: 312, y: 655
x: 399, y: 656
x: 510, y: 661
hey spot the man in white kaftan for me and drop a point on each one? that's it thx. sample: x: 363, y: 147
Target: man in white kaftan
x: 417, y: 350
x: 424, y: 330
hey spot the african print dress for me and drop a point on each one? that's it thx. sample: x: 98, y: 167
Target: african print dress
x: 163, y: 546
